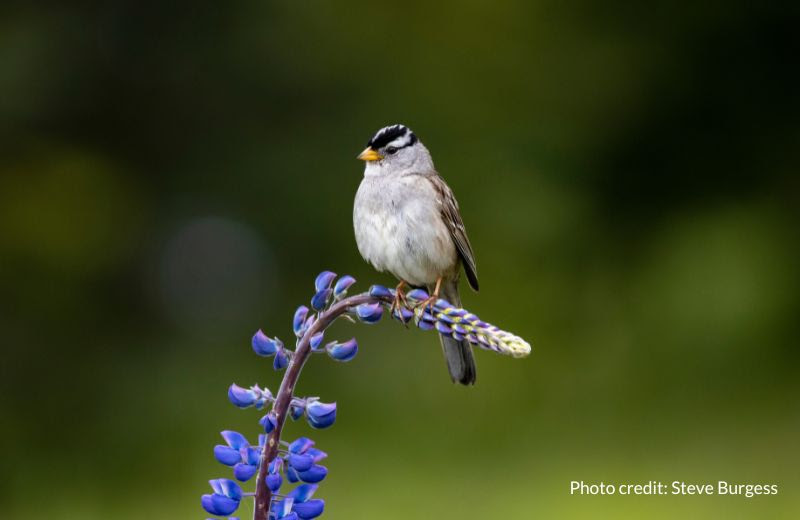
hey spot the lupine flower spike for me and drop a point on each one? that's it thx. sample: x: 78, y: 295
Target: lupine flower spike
x: 277, y: 464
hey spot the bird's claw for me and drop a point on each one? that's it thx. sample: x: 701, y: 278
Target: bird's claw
x: 400, y: 301
x: 428, y: 302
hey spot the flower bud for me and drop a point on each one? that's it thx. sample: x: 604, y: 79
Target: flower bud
x: 344, y: 283
x: 316, y: 340
x: 321, y: 415
x: 264, y: 345
x: 298, y: 320
x: 244, y: 472
x: 310, y: 509
x: 379, y: 291
x: 234, y: 439
x: 324, y: 280
x: 226, y: 455
x: 314, y: 474
x: 300, y: 445
x: 269, y: 422
x: 241, y: 397
x: 274, y: 481
x: 320, y: 300
x: 281, y: 360
x: 369, y: 312
x: 343, y: 351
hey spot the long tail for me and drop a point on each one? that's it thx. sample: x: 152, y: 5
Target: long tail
x: 458, y: 354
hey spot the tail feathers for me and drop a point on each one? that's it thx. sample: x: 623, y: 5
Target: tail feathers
x: 460, y: 361
x: 458, y: 354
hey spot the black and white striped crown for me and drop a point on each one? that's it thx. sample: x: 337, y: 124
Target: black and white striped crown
x: 398, y: 136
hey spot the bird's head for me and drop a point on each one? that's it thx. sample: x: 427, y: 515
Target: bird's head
x: 395, y: 150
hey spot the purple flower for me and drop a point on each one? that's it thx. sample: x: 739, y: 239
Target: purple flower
x: 314, y: 474
x: 274, y: 481
x: 239, y: 454
x: 316, y: 454
x: 417, y: 295
x: 299, y: 319
x: 296, y: 411
x: 226, y: 455
x: 344, y: 283
x: 300, y: 462
x: 324, y: 280
x: 244, y: 472
x: 316, y: 340
x: 234, y: 439
x: 263, y: 345
x: 303, y: 492
x: 283, y: 508
x: 310, y: 509
x: 425, y: 325
x: 225, y: 499
x: 281, y: 360
x: 300, y: 445
x: 242, y: 397
x: 342, y: 351
x: 403, y: 314
x: 321, y: 299
x: 369, y: 312
x: 379, y: 291
x: 320, y: 415
x: 269, y: 422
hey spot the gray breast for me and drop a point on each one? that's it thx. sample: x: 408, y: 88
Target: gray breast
x: 399, y: 229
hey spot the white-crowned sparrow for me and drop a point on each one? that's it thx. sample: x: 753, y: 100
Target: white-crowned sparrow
x: 407, y: 222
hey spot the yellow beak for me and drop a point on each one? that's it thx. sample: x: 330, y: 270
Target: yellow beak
x: 369, y: 155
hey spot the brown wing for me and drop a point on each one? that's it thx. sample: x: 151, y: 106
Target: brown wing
x: 452, y: 217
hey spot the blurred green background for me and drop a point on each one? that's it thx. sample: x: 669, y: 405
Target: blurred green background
x: 174, y: 175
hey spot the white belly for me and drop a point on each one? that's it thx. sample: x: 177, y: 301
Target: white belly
x: 403, y: 233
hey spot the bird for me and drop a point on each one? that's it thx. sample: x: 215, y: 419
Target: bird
x: 407, y: 222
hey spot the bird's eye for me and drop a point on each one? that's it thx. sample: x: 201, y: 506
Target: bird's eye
x: 391, y: 150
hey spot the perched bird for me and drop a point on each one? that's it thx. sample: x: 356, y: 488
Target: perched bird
x: 407, y: 222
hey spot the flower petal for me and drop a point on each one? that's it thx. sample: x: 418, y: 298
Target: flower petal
x: 263, y: 345
x: 234, y: 439
x: 244, y: 472
x: 316, y: 340
x: 268, y: 422
x: 300, y: 445
x: 274, y: 481
x: 241, y: 397
x: 417, y: 294
x: 299, y: 318
x: 324, y: 280
x: 251, y: 456
x: 314, y: 474
x: 226, y: 487
x: 283, y: 507
x: 316, y: 454
x: 310, y: 509
x: 219, y: 504
x: 320, y: 300
x: 226, y: 455
x: 343, y: 351
x: 425, y: 325
x: 379, y: 291
x: 344, y: 283
x: 321, y: 415
x: 369, y: 312
x: 302, y: 492
x: 300, y: 462
x: 281, y: 360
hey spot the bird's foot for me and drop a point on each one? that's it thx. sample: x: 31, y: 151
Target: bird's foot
x: 430, y: 301
x: 399, y: 301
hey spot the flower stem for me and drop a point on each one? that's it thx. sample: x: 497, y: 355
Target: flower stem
x: 284, y: 397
